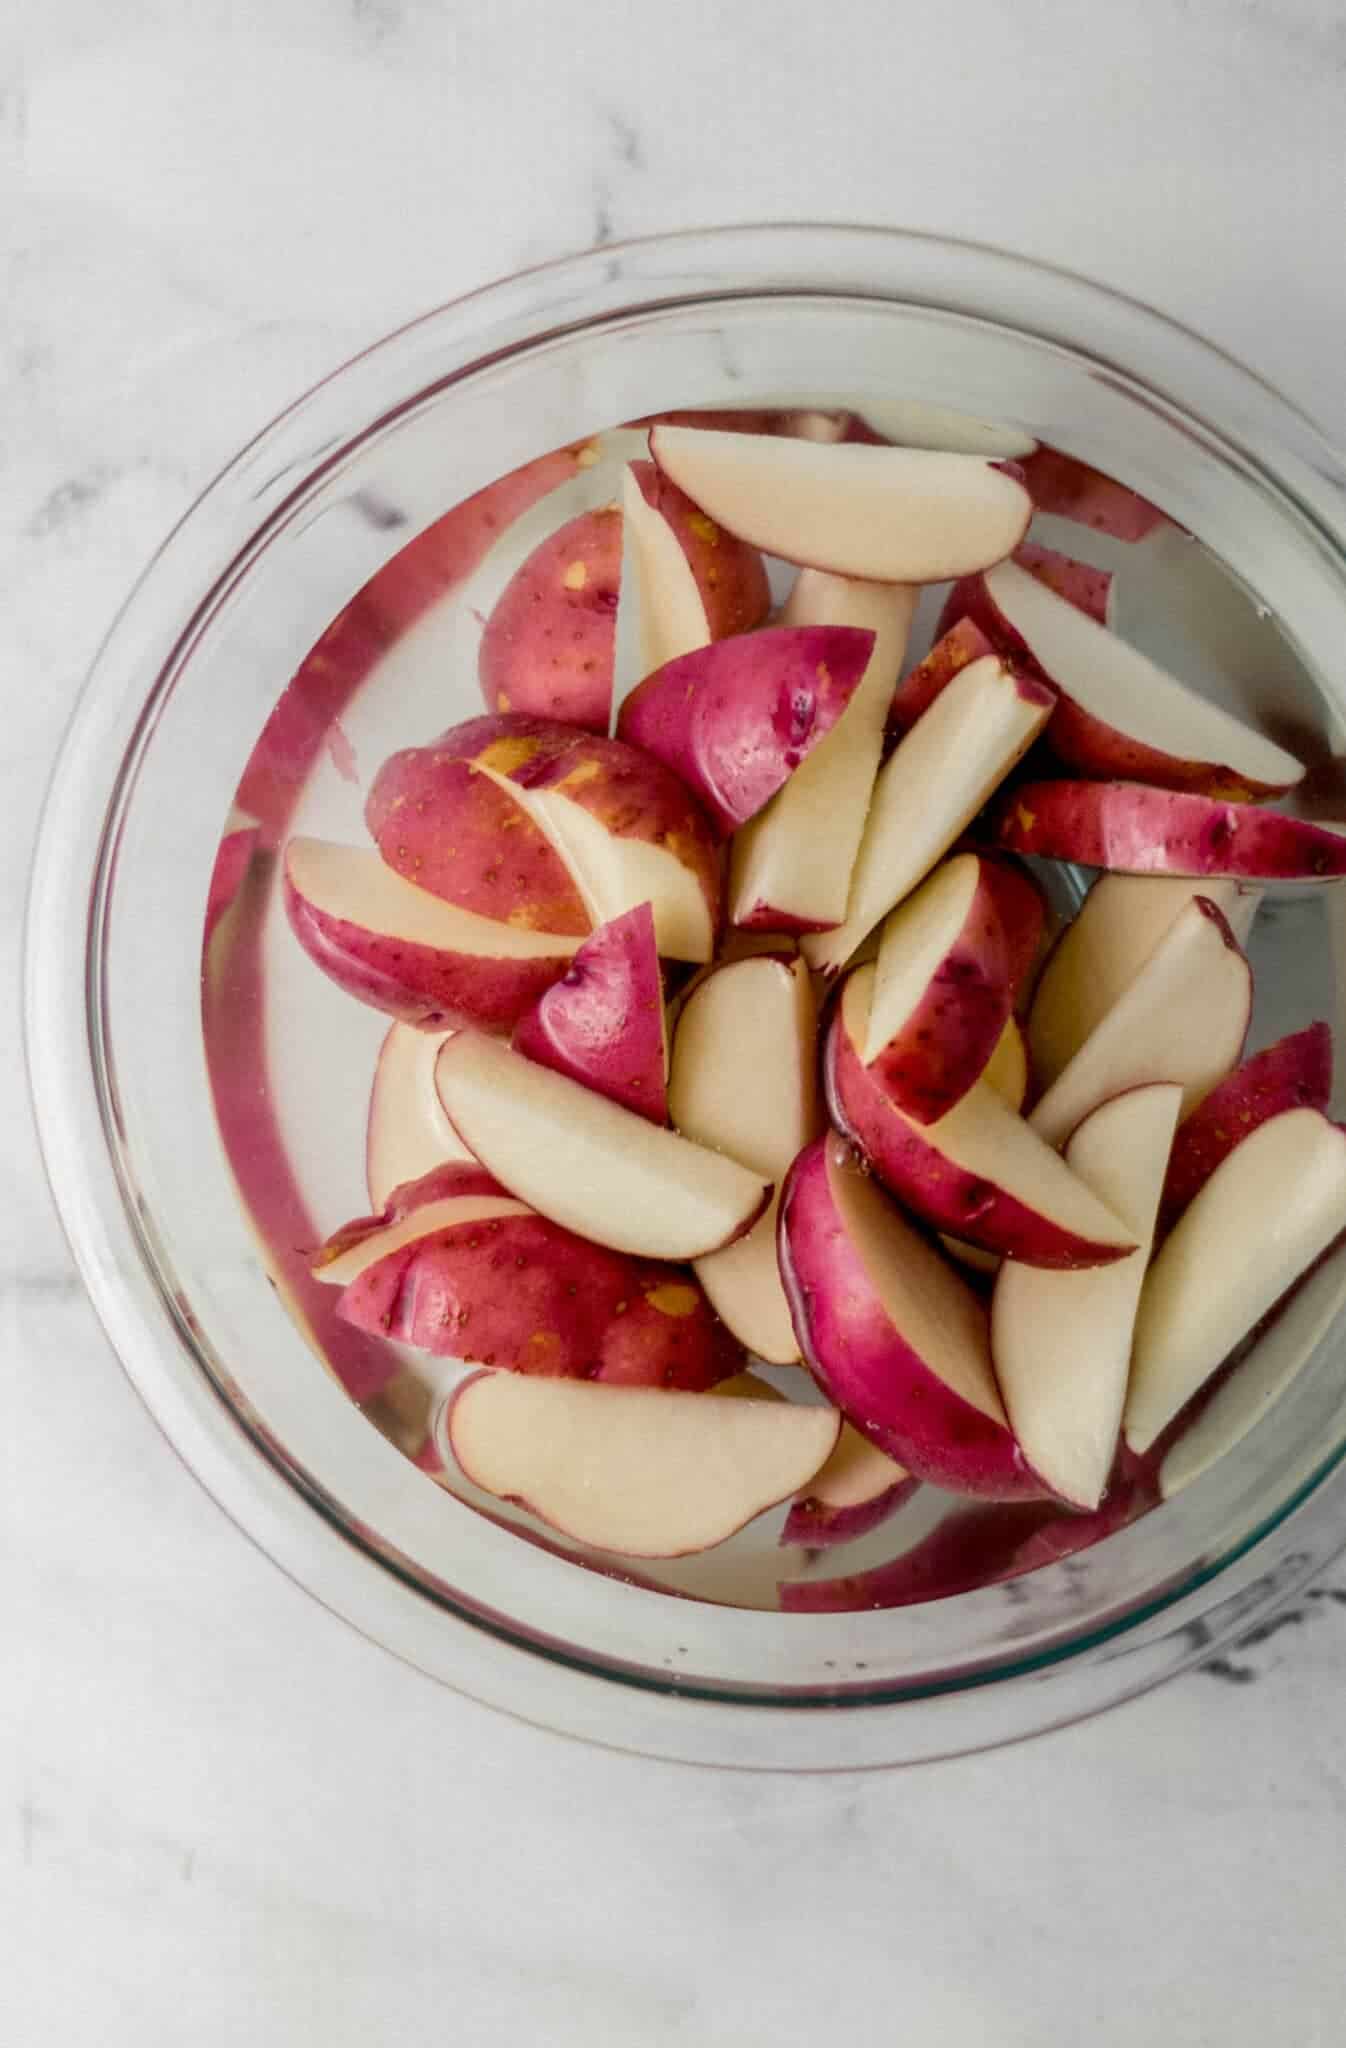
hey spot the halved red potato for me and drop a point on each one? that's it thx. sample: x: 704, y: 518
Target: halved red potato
x: 1294, y: 1073
x: 1136, y: 830
x: 734, y: 720
x: 405, y: 951
x: 896, y: 515
x: 602, y: 1023
x: 890, y: 1332
x: 980, y: 1173
x: 548, y: 646
x: 1120, y: 714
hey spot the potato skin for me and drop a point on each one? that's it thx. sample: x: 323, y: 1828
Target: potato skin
x: 602, y: 1022
x: 730, y: 573
x: 548, y: 646
x: 1138, y: 830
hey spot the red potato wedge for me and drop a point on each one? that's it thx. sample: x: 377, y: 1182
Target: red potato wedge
x: 602, y: 1023
x: 980, y: 1173
x: 1120, y: 714
x: 857, y: 1490
x: 408, y: 1133
x: 941, y: 996
x: 929, y: 790
x: 1088, y: 588
x: 1100, y: 953
x: 1067, y: 488
x: 421, y: 574
x: 1267, y: 1212
x: 641, y: 1471
x: 627, y: 830
x: 1136, y: 830
x: 729, y: 574
x: 791, y: 866
x: 238, y: 843
x: 971, y: 1549
x: 692, y: 583
x: 890, y: 1332
x: 548, y: 646
x: 1183, y: 1018
x: 1294, y: 1073
x: 735, y: 720
x: 480, y: 1277
x: 957, y: 647
x: 744, y: 1080
x: 893, y: 515
x: 588, y: 1164
x: 440, y: 824
x: 1061, y: 1342
x: 405, y: 951
x: 1236, y: 1399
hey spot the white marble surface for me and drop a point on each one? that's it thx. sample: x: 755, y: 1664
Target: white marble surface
x: 223, y: 1816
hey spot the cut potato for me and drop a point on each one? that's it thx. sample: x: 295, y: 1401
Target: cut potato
x: 408, y: 1133
x: 1137, y: 830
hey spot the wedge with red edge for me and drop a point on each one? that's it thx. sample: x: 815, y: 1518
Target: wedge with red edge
x: 735, y: 720
x: 790, y: 868
x: 547, y: 648
x: 1021, y: 905
x: 981, y: 1173
x: 930, y: 789
x: 588, y: 1164
x: 408, y: 1133
x: 889, y: 1330
x: 602, y: 1023
x: 405, y: 951
x: 1134, y: 829
x: 941, y: 996
x: 1082, y: 584
x: 1294, y: 1073
x: 640, y: 1471
x: 896, y: 515
x: 856, y: 1491
x: 691, y: 581
x: 1120, y: 713
x: 744, y: 1081
x: 1267, y: 1212
x: 1061, y: 1342
x: 1184, y: 1018
x: 458, y: 1269
x: 1103, y: 948
x: 1067, y: 488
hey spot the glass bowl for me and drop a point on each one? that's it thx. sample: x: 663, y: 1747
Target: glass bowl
x: 192, y: 667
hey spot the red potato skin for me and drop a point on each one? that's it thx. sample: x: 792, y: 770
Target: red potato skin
x: 863, y: 1364
x: 439, y: 824
x: 602, y: 1022
x: 1089, y: 745
x: 420, y: 984
x: 815, y: 1525
x: 1138, y: 830
x: 1295, y: 1073
x: 549, y: 644
x: 960, y: 642
x: 227, y: 876
x: 392, y: 600
x: 977, y: 1546
x: 944, y: 1194
x: 1064, y: 486
x: 1079, y: 583
x: 735, y: 719
x: 523, y: 1294
x: 730, y: 574
x: 944, y: 1045
x: 1022, y: 909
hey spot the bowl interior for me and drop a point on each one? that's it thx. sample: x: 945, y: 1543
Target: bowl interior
x: 1245, y: 593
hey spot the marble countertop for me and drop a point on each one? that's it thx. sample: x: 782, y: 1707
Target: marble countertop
x: 223, y: 1815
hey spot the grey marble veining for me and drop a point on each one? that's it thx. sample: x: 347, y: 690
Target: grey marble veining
x: 223, y: 1816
